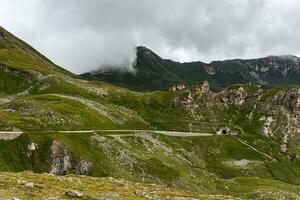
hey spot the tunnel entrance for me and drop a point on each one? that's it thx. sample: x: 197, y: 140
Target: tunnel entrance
x: 224, y: 132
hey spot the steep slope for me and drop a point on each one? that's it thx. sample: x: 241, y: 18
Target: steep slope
x: 18, y: 54
x: 36, y: 94
x: 63, y: 124
x: 154, y: 73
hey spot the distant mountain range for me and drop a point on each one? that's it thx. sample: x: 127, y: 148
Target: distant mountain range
x: 155, y: 73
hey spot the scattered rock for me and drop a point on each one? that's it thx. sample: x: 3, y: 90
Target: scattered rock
x: 29, y: 185
x: 241, y: 163
x: 32, y: 146
x: 73, y: 193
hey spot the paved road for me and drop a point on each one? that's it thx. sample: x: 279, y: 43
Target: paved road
x: 13, y: 135
x: 6, y: 135
x: 169, y: 133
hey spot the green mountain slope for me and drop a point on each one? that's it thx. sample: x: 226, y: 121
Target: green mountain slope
x: 62, y: 124
x: 154, y: 73
x: 15, y: 52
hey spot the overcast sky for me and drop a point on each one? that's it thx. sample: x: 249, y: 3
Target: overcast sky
x: 81, y: 35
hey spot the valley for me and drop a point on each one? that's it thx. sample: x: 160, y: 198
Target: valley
x: 241, y: 141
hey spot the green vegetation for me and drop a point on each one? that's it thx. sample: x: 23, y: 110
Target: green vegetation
x: 154, y: 73
x: 27, y: 185
x: 210, y: 165
x: 12, y: 83
x: 42, y: 100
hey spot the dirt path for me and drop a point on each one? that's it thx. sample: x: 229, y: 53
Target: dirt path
x: 253, y: 148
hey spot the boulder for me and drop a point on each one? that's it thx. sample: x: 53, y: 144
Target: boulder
x: 73, y: 193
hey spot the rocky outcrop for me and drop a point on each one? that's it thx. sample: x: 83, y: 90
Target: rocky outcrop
x: 279, y: 112
x: 200, y: 96
x: 283, y: 120
x: 234, y: 96
x: 192, y: 97
x: 63, y: 161
x: 177, y: 87
x: 289, y: 99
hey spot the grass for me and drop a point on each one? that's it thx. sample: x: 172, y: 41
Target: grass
x: 57, y: 100
x: 192, y: 164
x: 13, y: 185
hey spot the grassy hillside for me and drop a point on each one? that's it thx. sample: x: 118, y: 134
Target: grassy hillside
x: 203, y: 165
x: 42, y: 100
x: 35, y: 186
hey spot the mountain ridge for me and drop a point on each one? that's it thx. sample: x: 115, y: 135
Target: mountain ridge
x: 155, y: 73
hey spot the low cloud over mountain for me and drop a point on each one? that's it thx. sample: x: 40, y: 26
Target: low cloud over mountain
x: 84, y: 35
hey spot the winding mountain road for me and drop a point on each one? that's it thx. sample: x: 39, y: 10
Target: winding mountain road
x: 10, y: 135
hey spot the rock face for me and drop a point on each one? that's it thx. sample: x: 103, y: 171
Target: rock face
x: 275, y: 112
x: 63, y: 161
x: 192, y: 97
x: 284, y: 111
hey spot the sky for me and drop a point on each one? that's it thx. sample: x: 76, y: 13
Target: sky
x: 84, y: 35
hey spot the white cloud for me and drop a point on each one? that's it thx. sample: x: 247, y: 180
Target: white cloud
x: 83, y: 35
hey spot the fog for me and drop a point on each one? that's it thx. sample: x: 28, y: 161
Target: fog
x: 82, y: 35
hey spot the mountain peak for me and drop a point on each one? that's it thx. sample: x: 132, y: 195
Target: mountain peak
x: 142, y: 50
x: 145, y: 54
